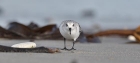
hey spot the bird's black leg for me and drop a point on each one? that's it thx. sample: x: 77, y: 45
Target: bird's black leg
x: 64, y: 45
x: 73, y: 46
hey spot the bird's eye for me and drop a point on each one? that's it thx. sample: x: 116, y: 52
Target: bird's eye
x: 66, y: 25
x: 73, y: 24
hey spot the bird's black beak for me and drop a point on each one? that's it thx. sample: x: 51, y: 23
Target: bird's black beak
x: 70, y: 30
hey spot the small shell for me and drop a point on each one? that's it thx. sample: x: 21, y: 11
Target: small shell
x: 25, y: 45
x: 132, y: 38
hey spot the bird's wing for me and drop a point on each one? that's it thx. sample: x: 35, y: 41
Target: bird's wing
x: 61, y: 24
x: 80, y: 30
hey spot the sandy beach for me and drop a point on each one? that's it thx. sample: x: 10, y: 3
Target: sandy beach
x: 40, y: 19
x: 111, y: 50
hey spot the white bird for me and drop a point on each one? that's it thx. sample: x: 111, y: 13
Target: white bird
x: 24, y: 45
x: 70, y: 30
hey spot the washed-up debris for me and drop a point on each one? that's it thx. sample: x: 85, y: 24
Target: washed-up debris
x: 29, y: 50
x: 33, y: 25
x: 118, y: 32
x: 8, y: 34
x: 137, y: 34
x: 112, y: 32
x: 22, y: 30
x: 131, y: 38
x: 25, y: 45
x: 49, y: 29
x: 46, y: 32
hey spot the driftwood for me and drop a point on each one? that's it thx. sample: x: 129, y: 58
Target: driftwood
x: 33, y: 25
x: 115, y: 32
x: 32, y: 31
x: 56, y: 35
x: 21, y: 30
x: 95, y: 36
x: 49, y: 29
x: 8, y: 34
x: 137, y: 34
x: 46, y: 32
x: 32, y: 50
x: 112, y: 32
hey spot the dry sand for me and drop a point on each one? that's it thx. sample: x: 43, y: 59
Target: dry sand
x: 111, y: 50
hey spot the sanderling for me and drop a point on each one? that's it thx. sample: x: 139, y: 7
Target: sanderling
x: 70, y: 30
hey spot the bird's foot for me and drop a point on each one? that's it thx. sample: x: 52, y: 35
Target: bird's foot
x: 72, y: 49
x: 64, y: 48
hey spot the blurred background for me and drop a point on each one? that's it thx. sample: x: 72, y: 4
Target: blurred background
x: 104, y: 14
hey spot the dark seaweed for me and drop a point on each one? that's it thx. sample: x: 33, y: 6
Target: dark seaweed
x: 33, y: 50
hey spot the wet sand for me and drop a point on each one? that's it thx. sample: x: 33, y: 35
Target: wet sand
x: 111, y: 50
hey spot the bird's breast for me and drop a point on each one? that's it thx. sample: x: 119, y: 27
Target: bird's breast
x: 73, y: 35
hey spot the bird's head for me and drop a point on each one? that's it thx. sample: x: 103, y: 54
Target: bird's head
x: 70, y: 26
